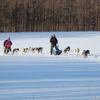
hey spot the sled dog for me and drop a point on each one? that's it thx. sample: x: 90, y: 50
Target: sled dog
x: 85, y: 53
x: 40, y: 49
x: 67, y: 50
x: 15, y: 50
x: 76, y: 51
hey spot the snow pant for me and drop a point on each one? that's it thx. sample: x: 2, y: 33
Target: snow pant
x: 6, y: 50
x: 51, y: 49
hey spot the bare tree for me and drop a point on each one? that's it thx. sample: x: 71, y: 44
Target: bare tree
x: 49, y: 15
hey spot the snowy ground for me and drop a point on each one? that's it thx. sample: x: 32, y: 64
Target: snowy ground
x: 49, y: 77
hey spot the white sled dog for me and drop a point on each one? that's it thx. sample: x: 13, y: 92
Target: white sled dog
x: 76, y: 51
x: 24, y: 50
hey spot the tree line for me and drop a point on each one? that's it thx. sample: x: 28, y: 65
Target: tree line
x: 49, y: 15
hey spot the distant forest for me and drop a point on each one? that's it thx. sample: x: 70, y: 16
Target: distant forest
x: 49, y: 15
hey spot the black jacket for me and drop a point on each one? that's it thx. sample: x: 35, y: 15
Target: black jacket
x: 53, y: 41
x: 5, y: 43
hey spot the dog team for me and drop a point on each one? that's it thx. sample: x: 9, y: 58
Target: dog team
x: 77, y: 51
x: 7, y: 48
x: 54, y: 41
x: 30, y: 50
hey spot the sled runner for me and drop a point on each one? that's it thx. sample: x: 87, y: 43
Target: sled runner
x: 56, y: 50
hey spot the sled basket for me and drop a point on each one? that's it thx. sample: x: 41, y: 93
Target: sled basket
x: 56, y: 50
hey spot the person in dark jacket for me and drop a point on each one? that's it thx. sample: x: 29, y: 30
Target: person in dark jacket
x: 4, y: 44
x: 7, y: 46
x: 53, y: 41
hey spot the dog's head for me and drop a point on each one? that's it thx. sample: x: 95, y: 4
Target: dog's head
x: 67, y: 49
x: 33, y: 49
x: 40, y: 48
x: 36, y: 48
x: 88, y: 52
x: 17, y: 49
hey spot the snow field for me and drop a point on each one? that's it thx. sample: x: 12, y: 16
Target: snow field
x: 49, y: 77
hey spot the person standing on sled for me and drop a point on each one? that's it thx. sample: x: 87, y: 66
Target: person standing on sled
x: 53, y: 41
x: 7, y: 46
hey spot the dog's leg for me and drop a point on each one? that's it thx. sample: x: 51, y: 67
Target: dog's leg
x: 68, y: 53
x: 13, y: 52
x: 16, y: 52
x: 41, y: 51
x: 38, y: 51
x: 32, y: 51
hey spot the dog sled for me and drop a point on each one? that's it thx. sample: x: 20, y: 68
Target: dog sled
x: 56, y: 50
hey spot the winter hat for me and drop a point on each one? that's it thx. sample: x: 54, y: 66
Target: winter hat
x: 8, y: 38
x: 53, y: 34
